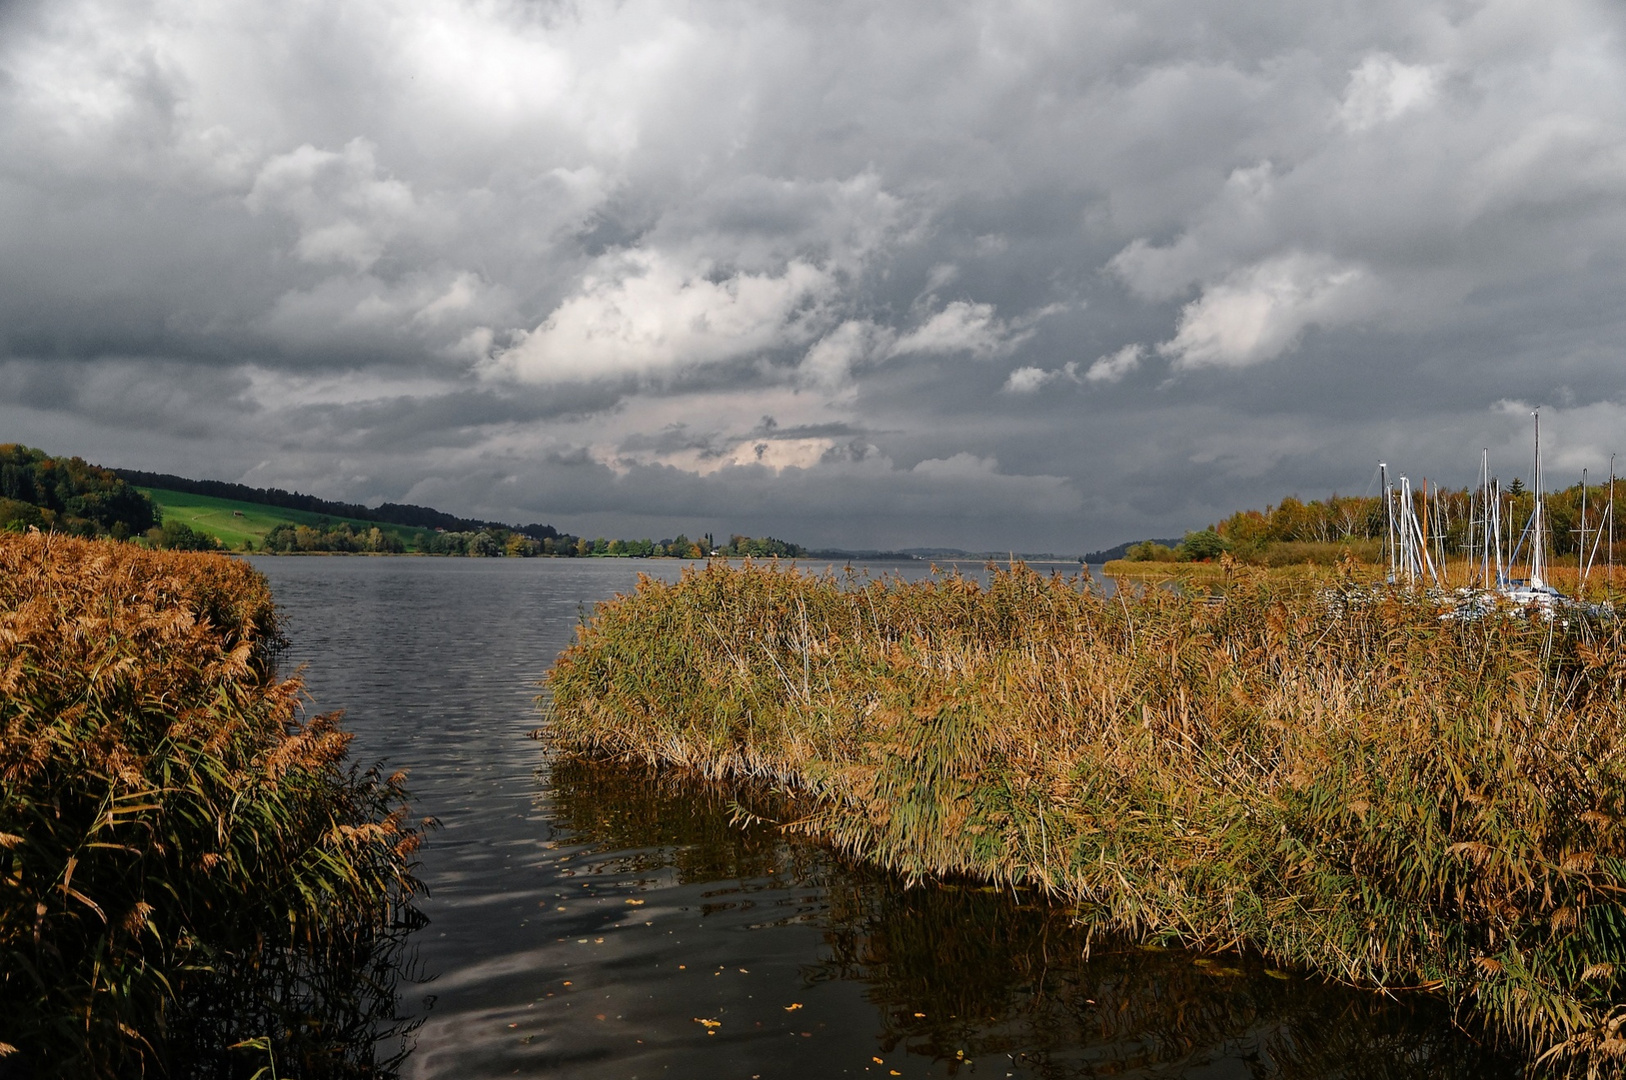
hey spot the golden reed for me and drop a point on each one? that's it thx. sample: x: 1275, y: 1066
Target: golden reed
x: 1321, y: 770
x: 186, y: 863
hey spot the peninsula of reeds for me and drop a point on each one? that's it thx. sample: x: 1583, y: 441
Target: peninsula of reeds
x: 1326, y: 773
x: 193, y: 881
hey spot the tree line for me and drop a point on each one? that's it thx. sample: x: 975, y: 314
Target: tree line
x: 407, y: 514
x: 502, y: 541
x: 68, y: 495
x: 1319, y: 530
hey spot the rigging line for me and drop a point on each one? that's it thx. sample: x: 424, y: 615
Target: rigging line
x: 1376, y: 473
x: 1513, y: 558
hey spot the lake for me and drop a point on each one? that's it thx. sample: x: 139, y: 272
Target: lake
x: 596, y: 921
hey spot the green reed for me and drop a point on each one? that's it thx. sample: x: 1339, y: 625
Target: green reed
x: 1340, y: 780
x: 193, y: 881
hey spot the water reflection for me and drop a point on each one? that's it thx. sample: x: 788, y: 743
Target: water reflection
x: 585, y: 921
x: 335, y: 1014
x: 960, y: 974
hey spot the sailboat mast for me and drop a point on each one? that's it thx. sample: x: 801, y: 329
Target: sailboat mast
x: 1442, y: 526
x: 1580, y: 557
x: 1489, y: 532
x: 1388, y: 518
x: 1538, y: 523
x: 1423, y: 529
x: 1496, y: 529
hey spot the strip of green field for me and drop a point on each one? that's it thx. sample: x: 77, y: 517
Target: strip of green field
x: 234, y: 522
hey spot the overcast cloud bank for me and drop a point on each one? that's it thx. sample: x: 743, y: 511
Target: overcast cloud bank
x: 1033, y: 276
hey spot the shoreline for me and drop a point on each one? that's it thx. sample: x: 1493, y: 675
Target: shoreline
x: 1371, y: 796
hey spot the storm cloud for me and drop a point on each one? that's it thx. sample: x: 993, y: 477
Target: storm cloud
x: 1030, y: 276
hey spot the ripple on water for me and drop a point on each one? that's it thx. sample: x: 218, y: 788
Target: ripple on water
x: 589, y: 921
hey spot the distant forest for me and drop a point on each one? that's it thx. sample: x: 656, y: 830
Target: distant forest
x: 69, y: 495
x: 1295, y: 531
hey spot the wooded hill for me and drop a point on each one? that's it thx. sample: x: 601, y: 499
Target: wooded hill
x: 68, y: 495
x: 423, y: 517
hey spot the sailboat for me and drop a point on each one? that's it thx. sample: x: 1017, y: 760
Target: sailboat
x: 1493, y: 554
x: 1535, y: 589
x: 1407, y: 544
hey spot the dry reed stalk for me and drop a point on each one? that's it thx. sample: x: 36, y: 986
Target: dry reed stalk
x: 1357, y: 788
x: 184, y: 861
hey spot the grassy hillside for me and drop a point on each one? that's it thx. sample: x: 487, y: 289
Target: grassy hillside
x: 234, y: 522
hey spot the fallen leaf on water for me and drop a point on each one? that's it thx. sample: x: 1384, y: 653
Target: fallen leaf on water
x: 635, y: 903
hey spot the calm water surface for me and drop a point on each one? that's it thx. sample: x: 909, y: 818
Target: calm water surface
x: 588, y: 921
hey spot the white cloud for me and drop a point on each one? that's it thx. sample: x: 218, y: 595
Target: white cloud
x: 1235, y: 223
x: 346, y: 211
x: 1259, y: 312
x: 831, y: 361
x: 1114, y: 367
x: 773, y: 454
x: 648, y: 313
x: 964, y: 326
x: 1383, y: 89
x: 961, y: 326
x: 1027, y: 380
x: 447, y: 312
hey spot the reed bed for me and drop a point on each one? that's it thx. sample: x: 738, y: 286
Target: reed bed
x: 1358, y: 789
x: 192, y: 879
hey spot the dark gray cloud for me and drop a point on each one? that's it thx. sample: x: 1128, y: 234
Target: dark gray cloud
x: 996, y: 275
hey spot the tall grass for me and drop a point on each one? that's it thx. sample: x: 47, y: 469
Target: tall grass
x: 1379, y: 796
x: 186, y: 864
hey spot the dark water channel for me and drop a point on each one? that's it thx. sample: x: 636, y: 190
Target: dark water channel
x: 589, y: 921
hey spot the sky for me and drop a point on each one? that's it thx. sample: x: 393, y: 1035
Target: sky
x: 1023, y: 276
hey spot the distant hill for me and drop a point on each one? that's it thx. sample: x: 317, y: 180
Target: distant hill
x: 843, y: 555
x: 419, y: 517
x: 1095, y: 558
x: 274, y: 520
x: 927, y: 554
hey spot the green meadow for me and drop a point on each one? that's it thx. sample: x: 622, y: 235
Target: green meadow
x: 234, y: 522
